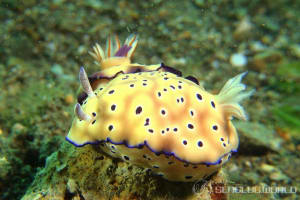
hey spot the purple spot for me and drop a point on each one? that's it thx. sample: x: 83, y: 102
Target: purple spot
x: 213, y: 104
x: 192, y: 113
x: 113, y: 107
x: 122, y: 52
x: 184, y: 142
x: 150, y: 130
x: 190, y: 126
x: 147, y: 122
x: 172, y: 87
x: 215, y: 127
x: 199, y: 96
x: 138, y: 110
x: 200, y: 143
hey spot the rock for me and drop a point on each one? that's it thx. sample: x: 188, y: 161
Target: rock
x: 232, y: 167
x: 5, y: 167
x: 256, y: 139
x: 295, y: 50
x: 19, y: 128
x: 257, y: 46
x: 252, y: 176
x: 279, y: 176
x: 243, y: 29
x: 238, y: 60
x: 268, y: 168
x: 71, y: 186
x: 248, y: 163
x: 88, y: 173
x: 260, y: 60
x: 215, y: 64
x: 69, y: 99
x: 200, y: 3
x: 59, y: 72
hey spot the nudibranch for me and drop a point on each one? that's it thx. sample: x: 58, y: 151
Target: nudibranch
x: 151, y: 116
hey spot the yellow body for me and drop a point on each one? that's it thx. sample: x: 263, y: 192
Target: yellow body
x: 158, y: 120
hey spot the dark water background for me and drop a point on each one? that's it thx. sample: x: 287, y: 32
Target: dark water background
x: 43, y: 44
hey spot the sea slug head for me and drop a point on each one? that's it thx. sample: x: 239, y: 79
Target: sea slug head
x: 86, y: 114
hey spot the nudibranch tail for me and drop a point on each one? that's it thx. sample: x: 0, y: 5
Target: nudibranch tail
x: 231, y: 94
x: 85, y: 83
x: 115, y: 54
x: 80, y: 114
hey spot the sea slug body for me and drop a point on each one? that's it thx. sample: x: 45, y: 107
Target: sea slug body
x: 151, y: 116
